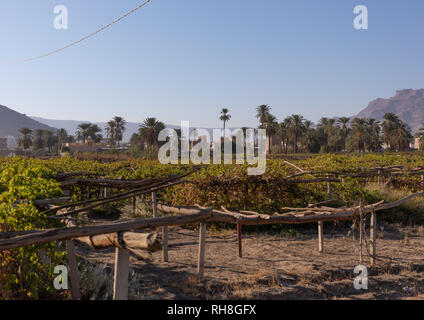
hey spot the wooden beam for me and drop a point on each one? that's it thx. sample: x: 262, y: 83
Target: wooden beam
x: 120, y: 284
x: 76, y: 232
x: 73, y: 270
x: 193, y: 215
x: 202, y: 245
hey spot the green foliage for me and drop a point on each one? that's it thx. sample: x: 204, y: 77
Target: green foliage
x: 25, y: 272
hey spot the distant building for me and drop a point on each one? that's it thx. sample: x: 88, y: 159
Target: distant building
x: 87, y: 146
x: 416, y: 144
x: 3, y: 143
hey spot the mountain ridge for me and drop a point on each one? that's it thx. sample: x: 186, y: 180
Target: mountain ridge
x: 407, y: 104
x: 12, y: 121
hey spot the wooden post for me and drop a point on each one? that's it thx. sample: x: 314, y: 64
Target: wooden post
x: 329, y: 188
x: 320, y: 236
x: 120, y: 285
x: 165, y: 243
x: 73, y: 270
x: 422, y: 183
x: 240, y: 248
x: 134, y: 205
x: 155, y: 205
x: 373, y: 237
x: 361, y: 225
x: 380, y: 176
x: 202, y: 245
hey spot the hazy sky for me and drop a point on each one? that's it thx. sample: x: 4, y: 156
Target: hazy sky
x: 186, y: 59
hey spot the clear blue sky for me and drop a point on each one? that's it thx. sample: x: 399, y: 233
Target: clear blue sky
x: 186, y: 59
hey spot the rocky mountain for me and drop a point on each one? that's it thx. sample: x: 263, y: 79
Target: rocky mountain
x: 407, y: 104
x: 11, y: 121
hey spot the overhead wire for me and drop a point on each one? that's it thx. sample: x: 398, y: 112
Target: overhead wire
x: 85, y: 37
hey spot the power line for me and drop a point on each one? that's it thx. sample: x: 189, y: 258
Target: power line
x: 86, y: 37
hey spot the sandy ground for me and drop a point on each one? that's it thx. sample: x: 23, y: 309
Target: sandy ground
x: 276, y: 266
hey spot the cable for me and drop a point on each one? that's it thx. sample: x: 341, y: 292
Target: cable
x: 84, y: 38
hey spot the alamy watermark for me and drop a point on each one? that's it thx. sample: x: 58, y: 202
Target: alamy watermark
x: 61, y: 281
x: 361, y: 19
x: 60, y: 21
x: 197, y: 147
x: 361, y: 281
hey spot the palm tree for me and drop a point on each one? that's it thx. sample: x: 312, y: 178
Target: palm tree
x: 82, y: 132
x: 120, y: 128
x: 150, y: 129
x: 94, y: 133
x: 49, y: 139
x: 420, y: 136
x: 38, y: 141
x: 343, y: 122
x: 296, y: 129
x: 225, y: 116
x: 372, y: 139
x: 62, y: 137
x: 262, y: 111
x: 309, y: 137
x: 110, y: 131
x: 25, y: 140
x: 396, y: 134
x: 358, y: 134
x: 270, y: 125
x: 283, y: 133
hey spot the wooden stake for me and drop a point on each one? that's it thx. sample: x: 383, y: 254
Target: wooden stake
x: 320, y: 236
x: 422, y: 183
x: 155, y: 205
x: 202, y: 245
x: 329, y: 188
x: 120, y: 285
x: 239, y: 240
x: 373, y: 237
x: 361, y: 225
x: 134, y: 205
x: 165, y: 243
x: 73, y: 270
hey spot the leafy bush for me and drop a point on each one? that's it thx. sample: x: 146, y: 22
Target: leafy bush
x: 26, y: 272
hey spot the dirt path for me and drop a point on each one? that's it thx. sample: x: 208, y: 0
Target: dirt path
x: 276, y: 266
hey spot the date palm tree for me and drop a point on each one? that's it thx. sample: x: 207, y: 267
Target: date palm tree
x: 110, y: 132
x: 25, y: 140
x: 149, y: 130
x: 82, y: 132
x: 225, y: 116
x: 49, y: 139
x: 62, y: 137
x: 296, y: 129
x: 120, y: 128
x: 94, y: 132
x: 38, y: 140
x: 261, y: 112
x: 344, y: 129
x: 358, y: 134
